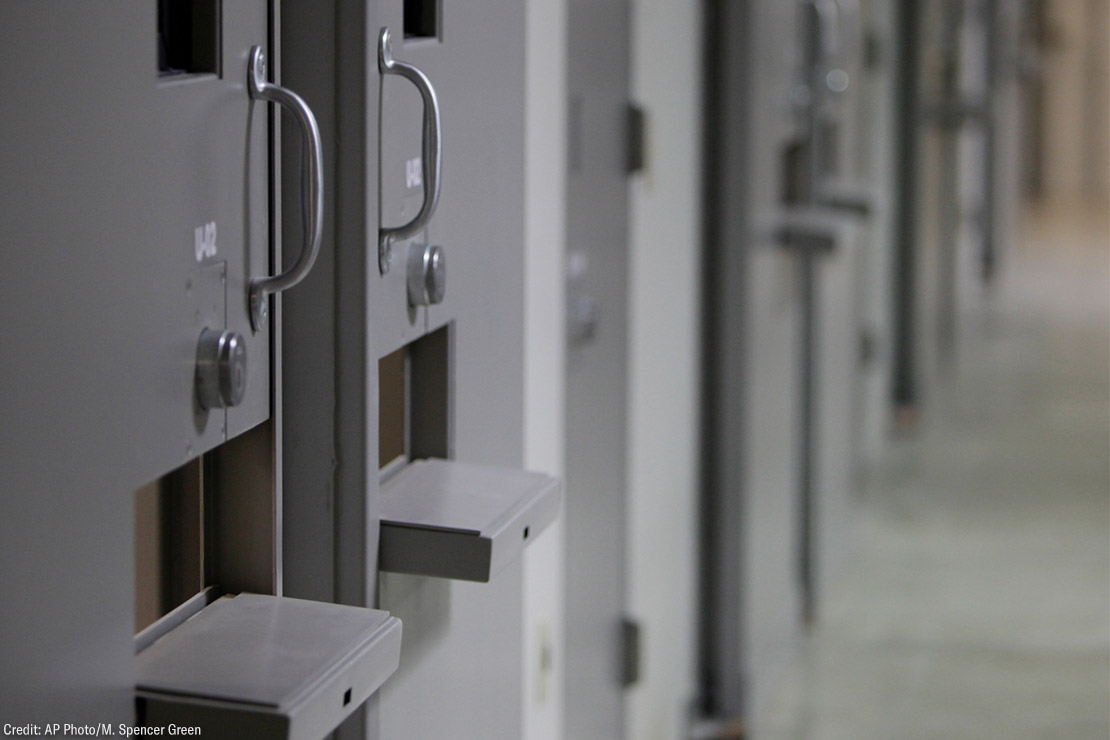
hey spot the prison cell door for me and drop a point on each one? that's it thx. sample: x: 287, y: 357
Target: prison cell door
x: 875, y: 101
x: 750, y: 591
x: 464, y: 640
x: 419, y: 339
x: 137, y: 200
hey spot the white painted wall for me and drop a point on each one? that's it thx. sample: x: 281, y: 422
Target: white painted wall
x: 544, y: 363
x: 664, y: 365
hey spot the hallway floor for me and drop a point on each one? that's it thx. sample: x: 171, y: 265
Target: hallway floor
x: 979, y: 604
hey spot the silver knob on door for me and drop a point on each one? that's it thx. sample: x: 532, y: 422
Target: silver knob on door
x: 221, y: 376
x: 427, y: 274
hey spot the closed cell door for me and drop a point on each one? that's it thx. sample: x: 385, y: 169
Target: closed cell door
x: 446, y: 329
x: 874, y: 157
x: 137, y: 184
x: 752, y: 619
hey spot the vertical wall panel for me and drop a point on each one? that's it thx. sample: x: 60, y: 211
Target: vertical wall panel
x: 664, y: 370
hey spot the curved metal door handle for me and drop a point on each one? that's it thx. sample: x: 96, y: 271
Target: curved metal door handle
x: 430, y: 152
x: 828, y: 20
x: 851, y: 17
x: 312, y: 187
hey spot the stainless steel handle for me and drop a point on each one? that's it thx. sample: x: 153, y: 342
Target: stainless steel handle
x: 828, y: 26
x: 312, y: 186
x: 851, y: 15
x: 822, y: 48
x: 430, y: 155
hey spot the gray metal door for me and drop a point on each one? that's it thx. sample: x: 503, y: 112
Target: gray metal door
x: 597, y: 242
x: 750, y: 589
x: 136, y: 210
x: 833, y: 38
x: 875, y: 304
x: 462, y: 663
x: 464, y: 641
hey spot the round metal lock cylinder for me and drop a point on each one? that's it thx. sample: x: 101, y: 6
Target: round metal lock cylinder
x: 426, y: 274
x: 221, y: 376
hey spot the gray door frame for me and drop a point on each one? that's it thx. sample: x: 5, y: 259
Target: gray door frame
x: 330, y: 383
x: 724, y: 322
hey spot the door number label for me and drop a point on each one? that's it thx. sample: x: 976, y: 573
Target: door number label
x: 204, y: 241
x: 413, y: 177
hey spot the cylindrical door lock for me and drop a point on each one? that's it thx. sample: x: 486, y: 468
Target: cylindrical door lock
x: 426, y: 274
x: 221, y: 375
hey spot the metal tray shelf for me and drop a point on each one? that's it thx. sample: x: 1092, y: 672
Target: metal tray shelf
x: 457, y: 520
x: 267, y: 667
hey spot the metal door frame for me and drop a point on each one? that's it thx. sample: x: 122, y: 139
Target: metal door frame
x: 721, y: 599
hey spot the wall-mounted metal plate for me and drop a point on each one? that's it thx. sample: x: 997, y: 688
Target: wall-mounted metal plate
x: 458, y: 520
x: 267, y: 667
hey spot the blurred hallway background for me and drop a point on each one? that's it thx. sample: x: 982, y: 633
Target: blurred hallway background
x: 978, y: 605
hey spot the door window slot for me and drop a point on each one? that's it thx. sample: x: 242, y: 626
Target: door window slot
x: 206, y: 525
x: 422, y: 19
x: 188, y: 37
x: 414, y: 385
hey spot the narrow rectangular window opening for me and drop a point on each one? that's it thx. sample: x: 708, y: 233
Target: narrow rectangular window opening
x: 795, y: 173
x: 207, y: 524
x: 170, y: 542
x: 828, y: 135
x: 414, y: 396
x: 422, y: 19
x: 392, y: 402
x: 188, y: 37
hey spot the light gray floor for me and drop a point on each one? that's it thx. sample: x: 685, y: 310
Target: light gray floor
x: 979, y: 605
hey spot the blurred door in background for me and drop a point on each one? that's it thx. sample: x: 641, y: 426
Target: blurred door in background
x: 875, y: 102
x: 750, y: 618
x: 597, y: 285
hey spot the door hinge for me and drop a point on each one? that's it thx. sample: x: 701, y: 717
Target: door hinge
x: 868, y: 346
x: 637, y: 124
x: 630, y: 652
